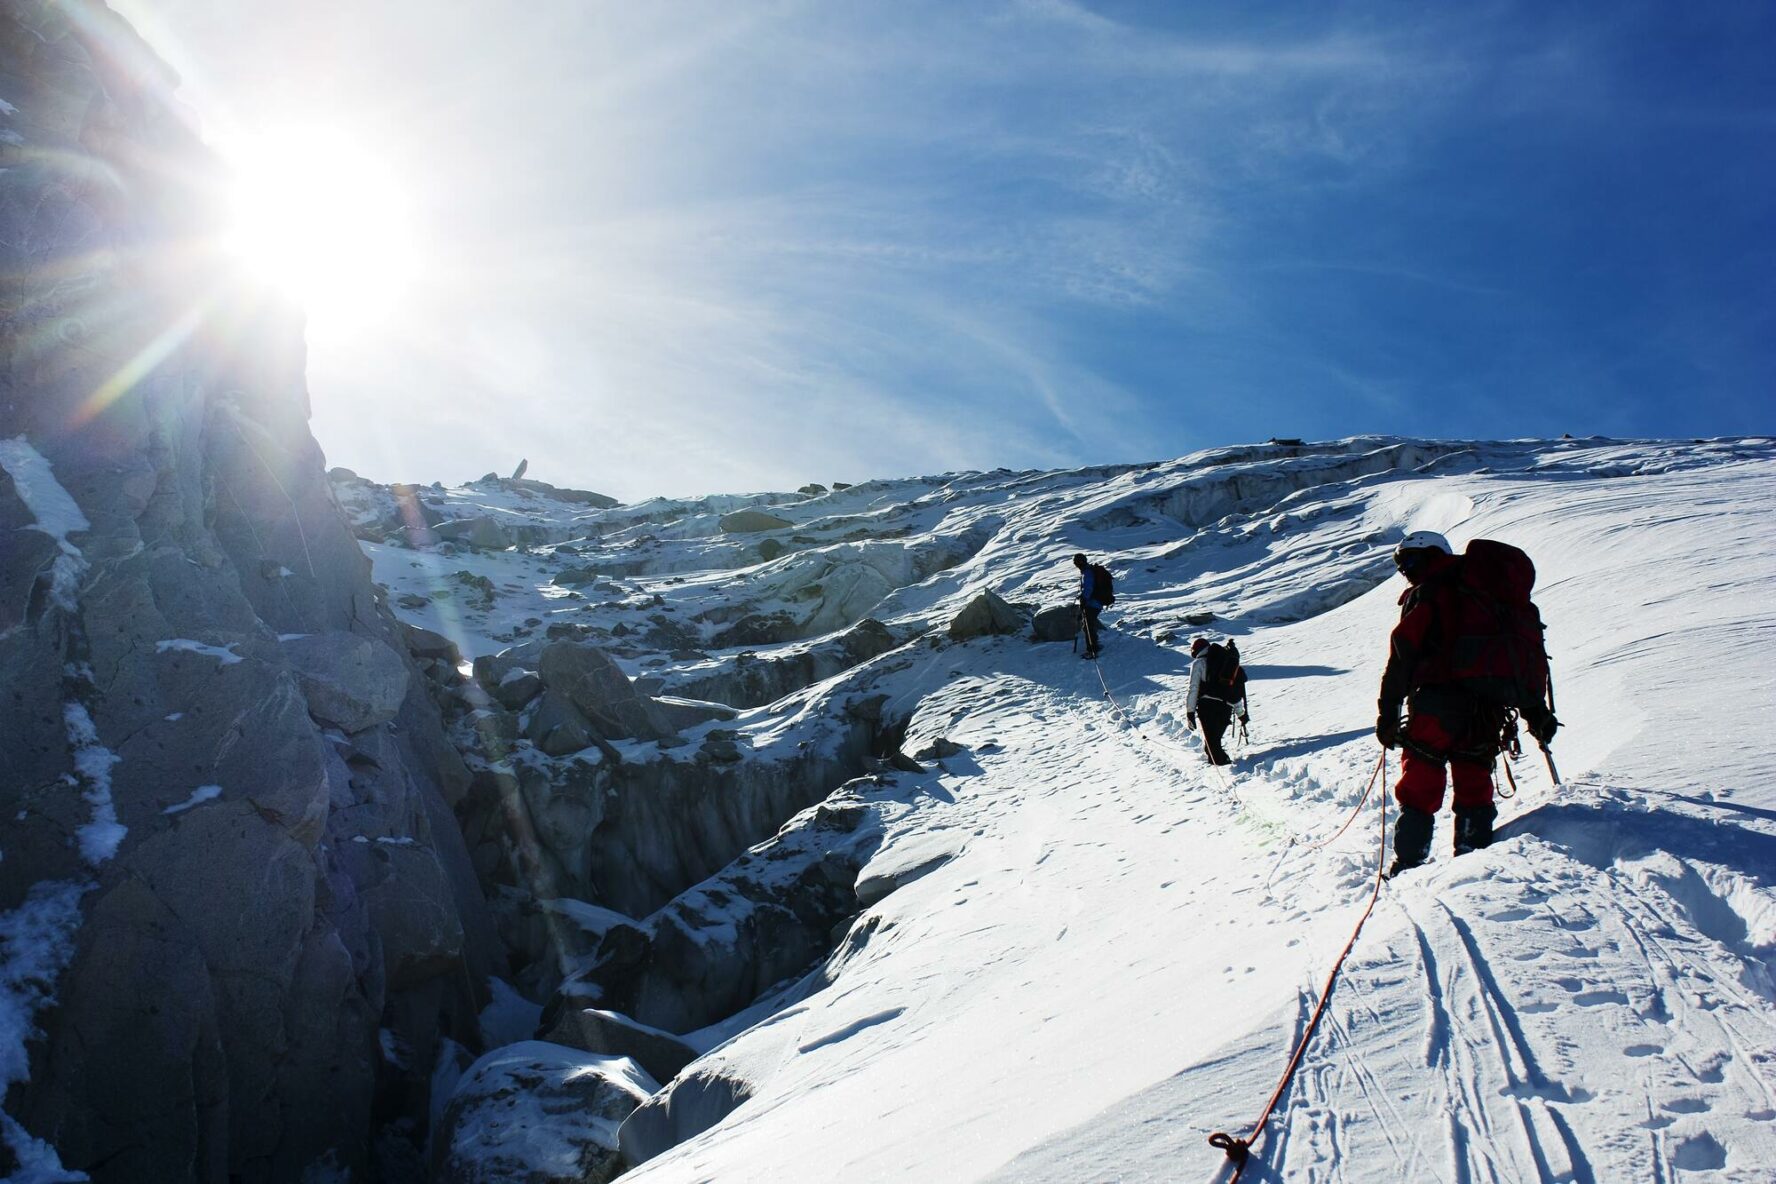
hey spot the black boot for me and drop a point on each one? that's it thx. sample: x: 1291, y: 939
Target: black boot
x: 1473, y: 828
x: 1412, y: 840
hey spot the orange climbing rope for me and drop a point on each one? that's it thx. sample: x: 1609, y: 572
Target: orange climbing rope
x: 1239, y: 1150
x: 1295, y: 841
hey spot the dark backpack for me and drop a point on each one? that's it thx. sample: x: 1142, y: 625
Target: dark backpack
x: 1103, y: 587
x: 1224, y: 678
x: 1491, y: 640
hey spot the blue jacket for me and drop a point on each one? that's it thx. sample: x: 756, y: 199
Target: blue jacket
x: 1086, y: 589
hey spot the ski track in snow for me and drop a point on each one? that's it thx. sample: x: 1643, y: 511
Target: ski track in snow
x: 1122, y: 950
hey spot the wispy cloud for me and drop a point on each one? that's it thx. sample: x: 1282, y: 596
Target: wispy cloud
x: 701, y: 245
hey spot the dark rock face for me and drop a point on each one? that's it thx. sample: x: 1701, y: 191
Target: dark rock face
x: 350, y: 682
x: 765, y: 919
x: 595, y: 685
x: 264, y: 874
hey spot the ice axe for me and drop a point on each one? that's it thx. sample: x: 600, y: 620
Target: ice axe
x: 1548, y: 756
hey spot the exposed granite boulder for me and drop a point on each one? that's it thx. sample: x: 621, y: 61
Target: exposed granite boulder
x: 517, y: 688
x: 594, y: 684
x: 492, y: 669
x: 688, y: 713
x: 488, y: 534
x: 411, y: 510
x: 557, y: 726
x: 1059, y: 623
x: 576, y: 577
x: 578, y: 497
x: 426, y: 643
x: 987, y: 614
x: 759, y: 629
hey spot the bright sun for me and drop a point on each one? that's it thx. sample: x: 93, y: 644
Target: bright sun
x: 323, y: 221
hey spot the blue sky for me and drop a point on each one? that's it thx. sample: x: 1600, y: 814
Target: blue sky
x: 684, y: 248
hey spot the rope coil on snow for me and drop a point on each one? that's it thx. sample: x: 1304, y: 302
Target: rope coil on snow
x: 1237, y: 1149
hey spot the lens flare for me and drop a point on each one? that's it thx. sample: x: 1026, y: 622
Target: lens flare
x: 322, y: 220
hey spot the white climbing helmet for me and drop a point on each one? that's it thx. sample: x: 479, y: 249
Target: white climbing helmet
x: 1424, y: 540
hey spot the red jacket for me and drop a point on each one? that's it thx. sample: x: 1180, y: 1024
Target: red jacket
x: 1430, y: 610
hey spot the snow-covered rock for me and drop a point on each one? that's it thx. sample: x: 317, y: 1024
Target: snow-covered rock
x: 537, y: 1113
x: 610, y: 1033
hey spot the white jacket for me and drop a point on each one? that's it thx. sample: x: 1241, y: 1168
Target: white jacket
x: 1199, y: 673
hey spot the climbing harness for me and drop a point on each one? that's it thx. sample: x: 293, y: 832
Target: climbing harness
x: 1239, y: 1150
x: 1510, y: 777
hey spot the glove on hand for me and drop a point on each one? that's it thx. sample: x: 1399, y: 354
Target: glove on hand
x: 1190, y: 718
x: 1541, y: 725
x: 1387, y: 725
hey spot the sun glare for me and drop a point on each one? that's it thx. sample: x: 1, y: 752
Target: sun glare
x: 325, y: 222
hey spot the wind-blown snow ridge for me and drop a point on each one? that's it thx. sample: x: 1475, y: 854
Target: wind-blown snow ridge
x: 1080, y: 953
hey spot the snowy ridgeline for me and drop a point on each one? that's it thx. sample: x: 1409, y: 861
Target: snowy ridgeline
x: 1078, y: 953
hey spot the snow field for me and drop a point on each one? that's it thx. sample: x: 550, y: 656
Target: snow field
x: 1102, y: 975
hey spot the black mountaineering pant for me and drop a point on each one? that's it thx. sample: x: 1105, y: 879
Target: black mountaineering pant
x: 1088, y: 617
x: 1214, y: 716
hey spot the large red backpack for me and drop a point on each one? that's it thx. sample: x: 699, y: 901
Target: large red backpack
x: 1491, y: 637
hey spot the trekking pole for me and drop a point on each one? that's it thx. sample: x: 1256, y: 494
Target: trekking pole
x: 1078, y: 624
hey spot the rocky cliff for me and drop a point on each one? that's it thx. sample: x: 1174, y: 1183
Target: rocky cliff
x: 239, y: 920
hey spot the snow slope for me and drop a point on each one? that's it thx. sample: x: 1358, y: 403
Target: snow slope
x: 1119, y: 950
